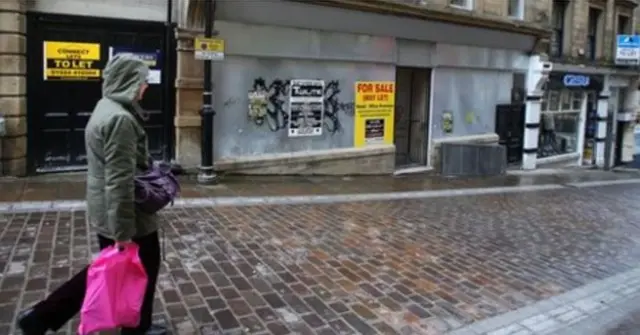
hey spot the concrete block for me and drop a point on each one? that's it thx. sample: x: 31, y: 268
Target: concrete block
x: 14, y: 147
x: 13, y: 64
x: 13, y: 22
x: 13, y: 85
x: 13, y: 43
x: 13, y: 106
x: 16, y: 167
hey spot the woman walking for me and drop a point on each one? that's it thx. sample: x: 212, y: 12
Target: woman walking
x: 116, y: 146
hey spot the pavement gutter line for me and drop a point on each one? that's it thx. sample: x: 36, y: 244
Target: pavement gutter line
x: 79, y: 205
x: 596, y: 183
x: 562, y: 311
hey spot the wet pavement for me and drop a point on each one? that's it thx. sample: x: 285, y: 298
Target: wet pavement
x: 630, y: 325
x: 387, y: 267
x: 72, y: 186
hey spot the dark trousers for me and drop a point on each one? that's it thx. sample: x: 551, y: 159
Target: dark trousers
x: 65, y: 302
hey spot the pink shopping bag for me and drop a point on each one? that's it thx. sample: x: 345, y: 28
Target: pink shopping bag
x: 116, y: 283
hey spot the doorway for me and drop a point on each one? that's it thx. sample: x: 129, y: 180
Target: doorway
x: 510, y: 129
x: 60, y: 102
x: 411, y: 127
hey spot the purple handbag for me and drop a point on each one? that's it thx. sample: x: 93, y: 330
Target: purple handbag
x: 156, y: 188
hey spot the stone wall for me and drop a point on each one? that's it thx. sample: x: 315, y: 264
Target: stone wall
x: 13, y: 86
x: 375, y: 160
x: 577, y: 25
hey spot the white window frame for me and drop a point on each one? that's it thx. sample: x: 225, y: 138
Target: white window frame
x: 577, y: 106
x: 519, y: 15
x: 468, y: 5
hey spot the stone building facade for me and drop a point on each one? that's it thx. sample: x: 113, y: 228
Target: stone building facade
x: 461, y: 45
x: 586, y: 89
x: 13, y: 88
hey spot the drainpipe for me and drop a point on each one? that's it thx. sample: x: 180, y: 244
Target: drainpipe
x: 166, y: 74
x: 206, y: 174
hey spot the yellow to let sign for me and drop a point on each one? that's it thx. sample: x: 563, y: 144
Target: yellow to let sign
x: 374, y: 110
x: 208, y: 48
x: 71, y: 61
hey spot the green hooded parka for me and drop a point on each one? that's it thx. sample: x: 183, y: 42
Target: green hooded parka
x: 116, y: 145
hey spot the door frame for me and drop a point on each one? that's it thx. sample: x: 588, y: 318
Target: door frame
x: 430, y: 120
x: 34, y: 31
x: 426, y: 147
x: 581, y: 125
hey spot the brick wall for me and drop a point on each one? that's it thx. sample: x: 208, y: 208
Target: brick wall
x: 13, y: 88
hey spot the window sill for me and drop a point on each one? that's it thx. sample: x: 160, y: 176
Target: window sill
x: 517, y: 17
x: 467, y: 8
x: 568, y: 158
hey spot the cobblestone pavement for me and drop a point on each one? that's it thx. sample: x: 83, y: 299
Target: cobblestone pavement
x: 388, y: 267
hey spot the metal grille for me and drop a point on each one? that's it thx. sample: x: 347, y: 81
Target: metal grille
x: 472, y: 159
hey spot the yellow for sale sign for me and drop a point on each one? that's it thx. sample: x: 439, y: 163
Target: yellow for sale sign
x: 71, y: 61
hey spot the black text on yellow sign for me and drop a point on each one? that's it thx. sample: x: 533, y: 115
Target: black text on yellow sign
x: 71, y: 61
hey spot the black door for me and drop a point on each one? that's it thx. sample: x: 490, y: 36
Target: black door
x: 510, y: 128
x: 58, y: 110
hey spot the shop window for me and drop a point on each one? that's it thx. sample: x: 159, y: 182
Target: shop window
x: 557, y: 23
x: 559, y: 123
x: 592, y: 32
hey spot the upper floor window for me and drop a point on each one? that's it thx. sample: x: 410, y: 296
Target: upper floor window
x: 465, y: 4
x: 624, y: 25
x: 592, y: 32
x: 557, y: 24
x: 515, y: 9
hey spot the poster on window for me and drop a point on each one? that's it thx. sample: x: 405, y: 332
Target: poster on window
x: 306, y: 107
x: 149, y: 57
x: 71, y: 61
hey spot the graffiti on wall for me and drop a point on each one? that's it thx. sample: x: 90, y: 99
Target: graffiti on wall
x: 268, y: 104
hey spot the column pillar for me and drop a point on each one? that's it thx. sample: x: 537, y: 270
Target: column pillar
x: 631, y: 100
x: 189, y: 86
x: 537, y: 76
x: 601, y: 127
x: 13, y: 86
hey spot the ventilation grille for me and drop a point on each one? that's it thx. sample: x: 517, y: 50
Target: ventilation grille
x: 478, y: 160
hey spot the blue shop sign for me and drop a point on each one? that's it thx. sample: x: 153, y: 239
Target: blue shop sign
x: 576, y: 80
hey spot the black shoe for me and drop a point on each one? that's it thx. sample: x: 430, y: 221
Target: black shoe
x: 29, y: 325
x: 157, y: 330
x: 153, y: 330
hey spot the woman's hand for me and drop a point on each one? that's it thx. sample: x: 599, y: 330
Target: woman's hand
x: 122, y: 244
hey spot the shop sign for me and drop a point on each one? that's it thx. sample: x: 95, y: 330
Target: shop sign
x: 151, y: 58
x: 306, y: 107
x: 208, y: 48
x: 627, y: 50
x: 576, y: 80
x: 374, y: 110
x: 71, y: 61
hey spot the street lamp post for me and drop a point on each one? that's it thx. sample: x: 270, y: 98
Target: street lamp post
x: 206, y: 173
